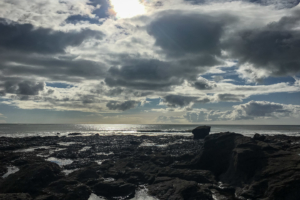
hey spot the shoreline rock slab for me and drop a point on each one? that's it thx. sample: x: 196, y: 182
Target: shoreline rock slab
x: 224, y: 166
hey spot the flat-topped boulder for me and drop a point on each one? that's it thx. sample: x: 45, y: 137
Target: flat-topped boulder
x: 201, y: 132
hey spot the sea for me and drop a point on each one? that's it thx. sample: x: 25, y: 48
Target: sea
x: 29, y: 130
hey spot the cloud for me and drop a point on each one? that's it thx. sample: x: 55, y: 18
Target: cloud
x: 218, y: 78
x: 178, y: 100
x: 279, y: 4
x: 114, y: 64
x: 27, y: 38
x: 248, y: 111
x: 273, y: 48
x: 189, y: 35
x: 263, y: 109
x: 230, y: 97
x: 146, y: 74
x: 82, y: 18
x: 114, y: 105
x: 24, y: 87
x: 168, y: 119
x: 204, y: 84
x: 51, y: 68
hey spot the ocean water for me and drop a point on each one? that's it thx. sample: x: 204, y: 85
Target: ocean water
x: 27, y: 130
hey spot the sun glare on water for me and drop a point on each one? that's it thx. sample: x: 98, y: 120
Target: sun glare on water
x: 127, y: 8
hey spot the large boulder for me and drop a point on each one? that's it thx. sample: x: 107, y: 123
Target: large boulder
x: 258, y: 170
x: 201, y: 132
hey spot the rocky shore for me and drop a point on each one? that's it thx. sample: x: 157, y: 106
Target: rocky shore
x: 219, y: 167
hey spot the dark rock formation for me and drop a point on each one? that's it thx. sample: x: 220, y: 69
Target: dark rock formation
x: 222, y: 166
x: 31, y: 178
x: 201, y: 132
x: 258, y: 169
x: 178, y: 189
x: 15, y: 196
x: 113, y: 189
x: 67, y: 189
x: 259, y: 137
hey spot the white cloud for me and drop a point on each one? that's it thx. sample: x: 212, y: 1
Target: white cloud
x: 248, y: 111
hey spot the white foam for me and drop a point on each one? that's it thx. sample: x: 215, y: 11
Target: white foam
x: 68, y: 143
x: 95, y: 197
x: 142, y: 194
x: 85, y: 148
x: 106, y: 154
x: 10, y: 170
x: 60, y: 162
x: 68, y: 171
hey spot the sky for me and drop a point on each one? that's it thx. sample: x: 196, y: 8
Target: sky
x: 150, y: 61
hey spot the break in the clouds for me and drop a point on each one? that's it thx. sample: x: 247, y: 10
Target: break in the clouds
x: 179, y: 61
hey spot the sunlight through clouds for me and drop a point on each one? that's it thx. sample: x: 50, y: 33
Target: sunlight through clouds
x: 128, y: 8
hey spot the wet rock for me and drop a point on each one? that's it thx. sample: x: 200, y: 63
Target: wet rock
x: 15, y: 196
x: 67, y: 189
x: 200, y: 176
x: 85, y: 174
x: 216, y: 152
x: 3, y: 170
x: 162, y: 179
x: 112, y: 189
x: 175, y: 167
x: 178, y: 189
x: 256, y: 168
x: 135, y: 142
x: 31, y: 178
x: 259, y: 137
x: 79, y: 164
x: 201, y: 132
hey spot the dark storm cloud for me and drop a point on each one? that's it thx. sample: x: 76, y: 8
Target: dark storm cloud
x: 192, y: 39
x: 24, y: 87
x: 204, y: 85
x: 50, y: 67
x: 115, y: 105
x: 278, y: 4
x: 146, y: 74
x: 86, y: 99
x: 178, y: 100
x: 2, y: 93
x: 275, y: 47
x: 181, y: 33
x: 82, y: 18
x: 27, y: 38
x: 231, y: 97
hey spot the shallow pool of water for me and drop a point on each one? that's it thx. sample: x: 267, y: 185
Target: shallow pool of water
x: 10, y: 170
